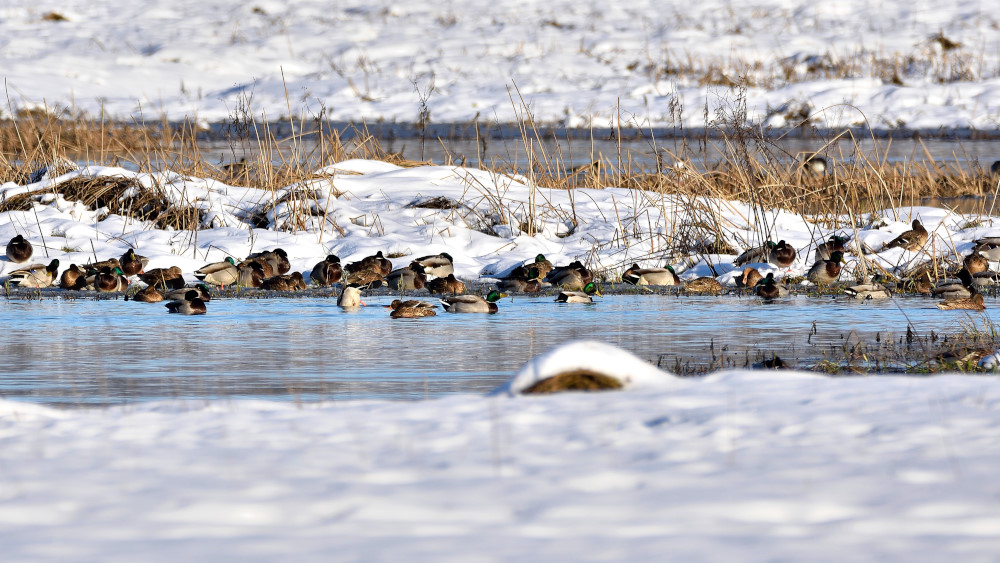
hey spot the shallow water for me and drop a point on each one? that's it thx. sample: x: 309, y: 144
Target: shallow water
x: 87, y: 352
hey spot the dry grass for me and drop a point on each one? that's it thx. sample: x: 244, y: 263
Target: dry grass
x: 576, y: 380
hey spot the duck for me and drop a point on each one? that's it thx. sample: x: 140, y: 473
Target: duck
x: 825, y: 272
x: 110, y: 280
x: 572, y: 277
x: 526, y: 283
x: 190, y: 305
x: 543, y: 265
x: 368, y: 278
x: 585, y: 296
x: 132, y: 263
x: 377, y: 262
x: 449, y: 284
x: 95, y: 267
x: 749, y: 278
x: 19, y: 250
x: 769, y: 288
x: 285, y: 282
x: 204, y: 293
x: 973, y: 303
x: 250, y: 275
x: 987, y: 278
x: 782, y: 255
x: 761, y: 254
x: 411, y: 277
x: 350, y: 297
x: 814, y: 165
x: 911, y: 240
x: 35, y: 275
x: 976, y: 263
x: 219, y: 273
x: 73, y: 278
x: 267, y: 268
x: 277, y: 259
x: 473, y: 303
x: 163, y: 278
x: 411, y: 309
x: 835, y: 243
x: 651, y: 276
x: 988, y: 246
x: 437, y: 265
x: 952, y: 290
x: 871, y: 290
x: 327, y: 272
x: 149, y: 295
x: 705, y: 285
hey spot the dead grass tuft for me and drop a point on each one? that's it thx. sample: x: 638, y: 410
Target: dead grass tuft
x: 576, y: 380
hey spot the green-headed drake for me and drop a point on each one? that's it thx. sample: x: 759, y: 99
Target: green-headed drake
x: 437, y: 265
x: 219, y: 273
x: 35, y: 275
x: 132, y: 264
x: 825, y: 272
x: 769, y: 288
x: 584, y: 296
x: 473, y: 303
x: 651, y: 276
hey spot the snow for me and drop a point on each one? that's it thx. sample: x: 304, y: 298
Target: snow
x: 645, y: 63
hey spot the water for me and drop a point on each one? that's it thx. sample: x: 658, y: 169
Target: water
x: 87, y: 352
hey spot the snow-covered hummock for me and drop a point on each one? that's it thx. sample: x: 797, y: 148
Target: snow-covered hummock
x: 358, y: 207
x: 738, y: 466
x: 580, y: 63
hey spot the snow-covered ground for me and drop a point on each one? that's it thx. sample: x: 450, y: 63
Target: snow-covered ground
x: 897, y: 63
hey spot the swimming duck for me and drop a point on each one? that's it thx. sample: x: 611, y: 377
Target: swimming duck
x: 753, y: 255
x: 409, y: 278
x: 286, y: 282
x: 651, y: 276
x: 19, y: 250
x: 782, y: 255
x: 872, y: 290
x: 911, y: 240
x: 437, y: 265
x: 834, y: 244
x: 705, y: 285
x: 327, y: 272
x: 190, y: 305
x: 132, y: 263
x: 110, y: 280
x: 163, y: 278
x: 449, y: 284
x: 219, y: 273
x: 250, y: 275
x: 989, y: 246
x: 204, y: 293
x: 572, y: 277
x: 378, y: 263
x: 825, y: 272
x: 976, y: 263
x: 951, y: 290
x: 749, y: 278
x: 367, y: 278
x: 411, y: 309
x: 974, y: 303
x: 769, y: 288
x: 472, y: 303
x: 73, y: 278
x: 350, y: 297
x: 149, y: 295
x: 584, y: 296
x: 35, y: 275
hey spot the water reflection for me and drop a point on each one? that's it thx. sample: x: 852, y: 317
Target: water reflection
x: 84, y: 352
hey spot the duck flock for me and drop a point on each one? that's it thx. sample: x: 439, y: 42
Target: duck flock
x: 270, y: 271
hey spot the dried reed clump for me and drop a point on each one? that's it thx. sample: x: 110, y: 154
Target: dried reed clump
x: 575, y: 380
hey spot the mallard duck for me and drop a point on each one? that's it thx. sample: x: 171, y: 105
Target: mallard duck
x: 989, y: 278
x: 521, y: 285
x: 542, y: 265
x: 437, y: 265
x: 35, y: 275
x: 327, y: 272
x: 911, y: 240
x: 411, y: 309
x: 277, y: 259
x: 219, y: 273
x: 190, y: 305
x: 754, y: 255
x: 815, y: 165
x: 974, y: 303
x: 378, y: 263
x: 204, y: 293
x: 19, y: 250
x: 703, y: 286
x: 472, y: 303
x: 989, y: 246
x: 919, y: 282
x: 409, y: 278
x: 73, y: 278
x: 267, y: 268
x: 872, y: 290
x: 769, y: 288
x: 825, y: 272
x: 835, y: 243
x: 976, y: 263
x: 110, y: 280
x: 749, y: 278
x: 782, y: 255
x: 951, y: 290
x: 94, y: 267
x: 350, y: 297
x: 572, y: 277
x: 132, y: 263
x: 651, y: 276
x: 584, y: 296
x: 149, y: 295
x: 251, y: 275
x: 286, y: 282
x: 368, y: 279
x: 163, y: 278
x: 449, y: 284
